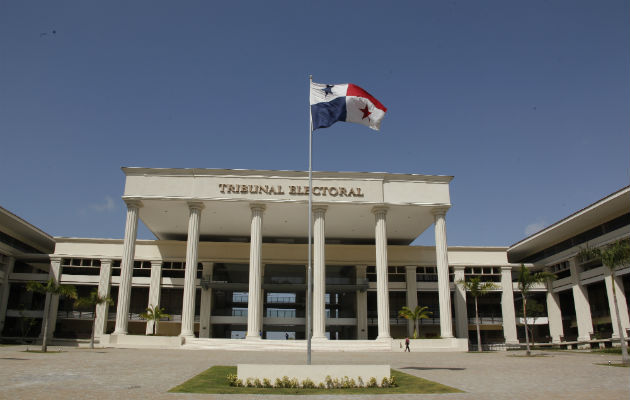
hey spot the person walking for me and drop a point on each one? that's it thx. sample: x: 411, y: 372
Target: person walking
x: 286, y: 336
x: 407, y: 345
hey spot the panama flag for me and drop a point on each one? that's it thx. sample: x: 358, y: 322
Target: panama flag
x: 344, y: 102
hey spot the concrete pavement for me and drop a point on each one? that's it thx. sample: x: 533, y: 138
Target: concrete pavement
x: 78, y: 373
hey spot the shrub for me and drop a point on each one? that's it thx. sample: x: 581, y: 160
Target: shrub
x: 385, y: 382
x: 360, y: 382
x: 267, y: 383
x: 308, y: 384
x: 294, y: 383
x: 232, y: 379
x: 372, y: 383
x: 278, y: 383
x: 392, y: 381
x: 321, y: 385
x: 249, y: 382
x: 329, y: 382
x: 258, y: 383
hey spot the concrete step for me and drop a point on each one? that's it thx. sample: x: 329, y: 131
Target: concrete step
x: 287, y: 345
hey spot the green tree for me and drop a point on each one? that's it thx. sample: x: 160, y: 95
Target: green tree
x: 477, y: 288
x: 50, y: 288
x: 92, y: 301
x: 26, y: 323
x: 535, y: 310
x: 415, y: 315
x: 154, y: 313
x: 526, y: 281
x: 613, y: 256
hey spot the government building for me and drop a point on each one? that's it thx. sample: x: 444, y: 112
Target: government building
x: 229, y: 267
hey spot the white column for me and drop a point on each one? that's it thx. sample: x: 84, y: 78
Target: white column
x: 155, y: 287
x: 621, y: 303
x: 4, y: 291
x: 205, y: 327
x: 412, y: 294
x: 382, y: 281
x: 126, y: 266
x: 104, y: 285
x: 582, y: 306
x: 53, y: 300
x: 319, y: 273
x: 507, y: 306
x: 444, y: 287
x: 254, y: 318
x: 461, y: 311
x: 190, y: 276
x: 554, y: 314
x: 362, y: 320
x: 261, y: 302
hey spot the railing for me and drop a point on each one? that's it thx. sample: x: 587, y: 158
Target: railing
x: 75, y: 314
x: 492, y: 320
x: 239, y: 313
x: 281, y: 313
x: 284, y: 299
x: 393, y: 320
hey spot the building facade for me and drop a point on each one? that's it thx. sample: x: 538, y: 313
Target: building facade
x: 231, y: 254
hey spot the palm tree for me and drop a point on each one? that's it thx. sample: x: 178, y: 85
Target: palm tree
x: 526, y: 280
x: 154, y: 313
x: 477, y: 288
x: 415, y: 315
x: 93, y: 300
x: 613, y: 256
x: 50, y: 288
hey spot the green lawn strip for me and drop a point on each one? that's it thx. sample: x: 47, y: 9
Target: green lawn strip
x: 214, y: 381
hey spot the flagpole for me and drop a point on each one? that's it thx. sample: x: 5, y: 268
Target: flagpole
x: 309, y: 294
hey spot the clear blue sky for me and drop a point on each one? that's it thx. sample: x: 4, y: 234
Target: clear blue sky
x: 525, y: 103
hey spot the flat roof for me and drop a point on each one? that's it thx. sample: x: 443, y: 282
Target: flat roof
x: 227, y: 195
x: 595, y: 214
x: 25, y: 232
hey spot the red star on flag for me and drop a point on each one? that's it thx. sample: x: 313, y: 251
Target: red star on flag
x: 365, y: 111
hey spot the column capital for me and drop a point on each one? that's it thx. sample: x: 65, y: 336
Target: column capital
x: 133, y: 203
x: 156, y: 263
x: 320, y: 209
x: 411, y: 267
x: 257, y: 207
x: 459, y: 267
x: 440, y: 210
x: 195, y: 205
x: 506, y: 268
x: 55, y: 259
x: 379, y: 210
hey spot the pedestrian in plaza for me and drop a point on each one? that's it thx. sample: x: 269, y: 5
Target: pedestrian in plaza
x: 407, y: 345
x: 286, y: 336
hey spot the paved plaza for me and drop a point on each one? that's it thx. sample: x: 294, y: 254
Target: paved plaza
x: 149, y: 373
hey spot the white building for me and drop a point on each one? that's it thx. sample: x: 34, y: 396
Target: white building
x: 231, y: 253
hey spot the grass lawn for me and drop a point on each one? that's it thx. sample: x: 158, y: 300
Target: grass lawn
x: 214, y: 380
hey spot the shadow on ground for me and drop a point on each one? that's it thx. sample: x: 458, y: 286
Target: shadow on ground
x: 428, y: 368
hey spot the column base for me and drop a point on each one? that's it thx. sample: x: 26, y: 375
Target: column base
x: 319, y: 339
x: 382, y: 338
x: 119, y: 332
x: 253, y: 337
x: 187, y: 334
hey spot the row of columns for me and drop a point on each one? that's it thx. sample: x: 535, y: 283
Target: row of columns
x: 582, y: 306
x: 255, y: 299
